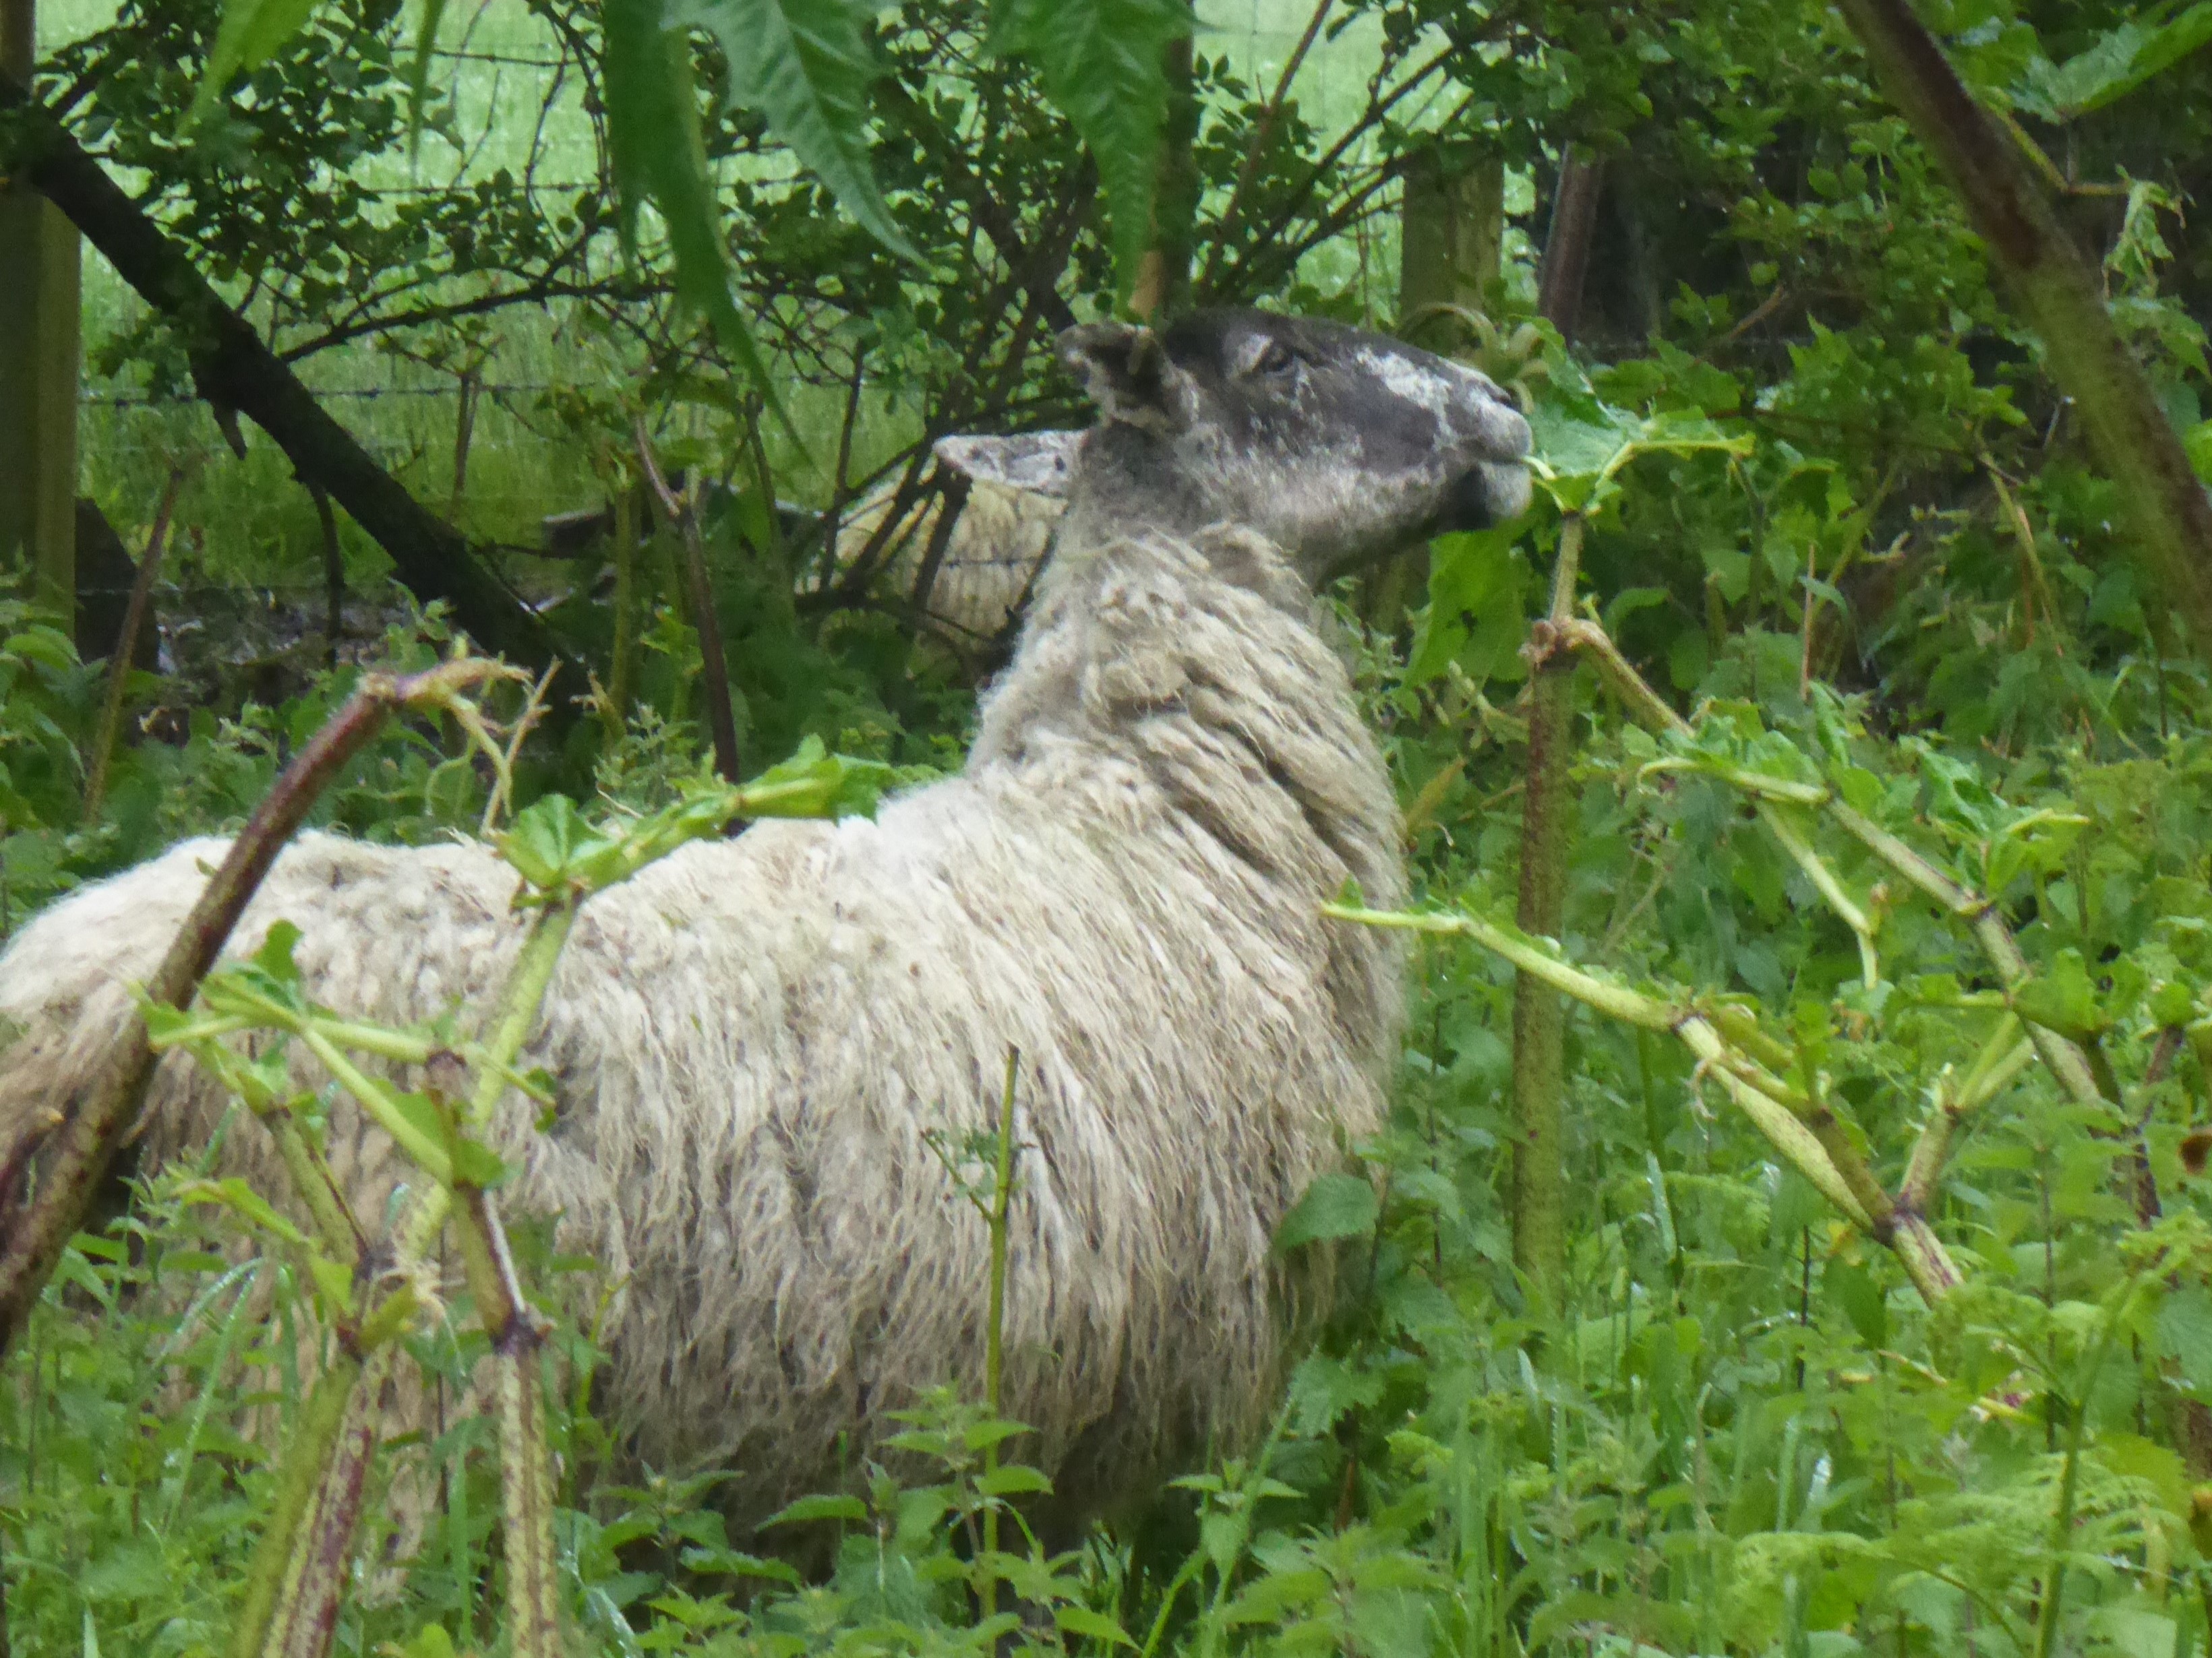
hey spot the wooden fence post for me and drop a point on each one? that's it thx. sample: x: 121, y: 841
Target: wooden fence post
x: 38, y: 351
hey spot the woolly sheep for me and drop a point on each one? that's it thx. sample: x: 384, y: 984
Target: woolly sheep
x: 752, y: 1039
x: 989, y: 562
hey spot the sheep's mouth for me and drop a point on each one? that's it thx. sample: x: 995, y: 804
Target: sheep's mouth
x: 1487, y: 493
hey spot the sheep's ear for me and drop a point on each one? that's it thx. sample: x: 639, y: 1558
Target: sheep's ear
x: 1040, y: 463
x: 1129, y: 375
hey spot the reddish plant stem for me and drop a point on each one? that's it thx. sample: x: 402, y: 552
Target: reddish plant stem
x: 85, y: 1131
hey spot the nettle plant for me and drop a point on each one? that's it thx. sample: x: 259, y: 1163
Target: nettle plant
x: 373, y: 1286
x: 1965, y: 1015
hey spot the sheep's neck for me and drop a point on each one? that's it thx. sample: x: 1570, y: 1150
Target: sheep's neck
x: 1129, y: 484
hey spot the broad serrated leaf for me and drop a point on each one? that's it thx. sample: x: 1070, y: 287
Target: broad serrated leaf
x: 1477, y: 606
x: 250, y: 33
x: 818, y: 1508
x: 804, y: 67
x: 1103, y: 64
x: 1015, y: 1480
x: 1091, y: 1626
x: 654, y: 145
x: 1334, y: 1206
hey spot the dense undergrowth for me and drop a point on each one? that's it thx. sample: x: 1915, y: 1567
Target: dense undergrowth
x: 1866, y: 554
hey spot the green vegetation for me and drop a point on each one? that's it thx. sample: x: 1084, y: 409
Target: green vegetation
x: 1824, y: 767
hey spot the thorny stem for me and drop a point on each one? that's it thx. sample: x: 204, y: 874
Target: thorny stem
x: 1802, y: 1130
x: 2005, y: 1055
x: 1002, y: 1193
x: 1539, y: 1169
x: 313, y: 1589
x: 126, y: 648
x: 81, y: 1138
x: 322, y: 1423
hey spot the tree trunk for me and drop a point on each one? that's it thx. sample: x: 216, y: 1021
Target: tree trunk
x: 2059, y: 292
x: 1453, y: 221
x: 1567, y: 244
x: 1162, y: 285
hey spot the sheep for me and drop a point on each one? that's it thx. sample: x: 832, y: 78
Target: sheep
x: 989, y: 562
x: 754, y: 1041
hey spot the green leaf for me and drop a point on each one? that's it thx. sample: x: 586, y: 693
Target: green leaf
x: 544, y: 841
x: 1015, y: 1480
x: 336, y: 1282
x: 476, y: 1164
x: 418, y: 73
x: 1103, y: 65
x: 2120, y: 60
x: 658, y: 155
x: 1334, y: 1206
x: 2184, y: 1331
x: 235, y: 1195
x: 1859, y: 1293
x: 2063, y: 1000
x: 1091, y: 1625
x: 1477, y: 606
x: 818, y: 1508
x: 730, y: 1563
x: 805, y: 66
x: 250, y: 33
x: 274, y: 955
x: 815, y: 783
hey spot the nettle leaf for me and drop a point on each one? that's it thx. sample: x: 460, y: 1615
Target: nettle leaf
x: 2063, y: 1000
x: 1334, y: 1207
x: 816, y: 783
x: 545, y: 840
x: 248, y: 36
x: 659, y: 156
x: 1477, y: 606
x: 1581, y: 450
x: 1103, y: 64
x: 2119, y: 62
x: 804, y: 67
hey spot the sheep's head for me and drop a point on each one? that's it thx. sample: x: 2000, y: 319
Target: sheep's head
x: 1333, y: 443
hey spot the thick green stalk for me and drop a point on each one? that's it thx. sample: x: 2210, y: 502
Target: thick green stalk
x: 1002, y: 1194
x: 1539, y: 1193
x: 2060, y: 293
x: 306, y: 1611
x: 299, y: 1482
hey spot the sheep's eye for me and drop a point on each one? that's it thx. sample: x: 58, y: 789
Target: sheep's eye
x: 1276, y: 359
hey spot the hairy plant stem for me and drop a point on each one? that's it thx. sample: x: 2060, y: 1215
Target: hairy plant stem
x: 994, y: 1367
x: 313, y: 1590
x: 1539, y: 1193
x: 81, y: 1138
x: 1802, y: 1129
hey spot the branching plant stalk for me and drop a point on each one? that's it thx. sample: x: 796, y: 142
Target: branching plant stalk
x: 1002, y: 1197
x: 88, y: 1128
x: 1539, y: 1171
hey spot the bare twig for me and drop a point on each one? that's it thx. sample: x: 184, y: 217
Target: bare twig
x: 714, y: 670
x: 126, y: 647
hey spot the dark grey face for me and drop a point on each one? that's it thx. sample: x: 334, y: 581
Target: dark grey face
x: 1333, y: 442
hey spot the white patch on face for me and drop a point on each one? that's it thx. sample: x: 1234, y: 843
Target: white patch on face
x: 1421, y: 386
